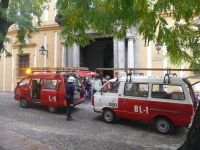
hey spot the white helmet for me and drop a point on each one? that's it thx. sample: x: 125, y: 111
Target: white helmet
x: 71, y: 79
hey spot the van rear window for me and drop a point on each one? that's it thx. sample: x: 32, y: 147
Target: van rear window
x: 165, y: 91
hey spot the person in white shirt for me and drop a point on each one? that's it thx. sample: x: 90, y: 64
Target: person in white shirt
x: 96, y: 84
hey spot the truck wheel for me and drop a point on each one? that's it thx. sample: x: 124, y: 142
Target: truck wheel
x: 23, y: 103
x: 108, y: 116
x: 52, y: 109
x: 163, y: 125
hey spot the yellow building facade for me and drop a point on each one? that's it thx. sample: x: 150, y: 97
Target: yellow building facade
x: 127, y: 53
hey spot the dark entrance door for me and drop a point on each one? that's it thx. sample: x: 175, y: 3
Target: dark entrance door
x: 98, y: 54
x: 108, y: 60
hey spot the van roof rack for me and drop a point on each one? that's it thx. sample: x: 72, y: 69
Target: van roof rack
x: 153, y: 69
x: 54, y: 69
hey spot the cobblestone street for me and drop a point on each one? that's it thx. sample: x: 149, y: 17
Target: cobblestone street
x: 87, y: 132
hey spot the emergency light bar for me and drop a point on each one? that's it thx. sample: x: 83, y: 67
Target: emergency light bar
x: 50, y: 69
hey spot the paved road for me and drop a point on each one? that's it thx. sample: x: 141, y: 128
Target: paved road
x: 36, y: 128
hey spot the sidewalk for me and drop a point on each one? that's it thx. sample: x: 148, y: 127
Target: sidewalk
x: 11, y: 140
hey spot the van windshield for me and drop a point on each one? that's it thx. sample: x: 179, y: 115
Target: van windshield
x: 111, y: 87
x: 24, y: 82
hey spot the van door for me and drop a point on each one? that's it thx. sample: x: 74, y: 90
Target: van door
x: 134, y: 103
x: 79, y: 97
x: 61, y: 93
x: 23, y: 89
x: 48, y: 92
x: 107, y: 97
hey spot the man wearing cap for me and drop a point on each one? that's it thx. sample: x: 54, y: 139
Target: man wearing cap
x: 70, y: 91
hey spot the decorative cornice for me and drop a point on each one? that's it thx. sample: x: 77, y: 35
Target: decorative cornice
x: 28, y: 45
x: 25, y: 46
x: 41, y: 28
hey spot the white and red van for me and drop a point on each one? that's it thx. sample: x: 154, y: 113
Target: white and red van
x: 47, y: 88
x: 165, y: 101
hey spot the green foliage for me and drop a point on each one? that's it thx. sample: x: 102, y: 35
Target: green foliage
x: 114, y: 17
x: 20, y: 12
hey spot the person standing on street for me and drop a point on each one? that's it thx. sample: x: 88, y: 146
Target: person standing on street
x: 87, y: 85
x: 96, y: 84
x: 70, y: 91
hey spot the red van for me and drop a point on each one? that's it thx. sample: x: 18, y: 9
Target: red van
x: 47, y: 89
x: 166, y: 101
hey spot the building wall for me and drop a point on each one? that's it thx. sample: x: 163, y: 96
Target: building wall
x: 143, y: 56
x: 48, y: 36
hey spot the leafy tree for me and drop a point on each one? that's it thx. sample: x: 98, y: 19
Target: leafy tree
x: 114, y: 17
x: 20, y: 12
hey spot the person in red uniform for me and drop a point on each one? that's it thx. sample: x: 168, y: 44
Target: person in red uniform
x: 70, y: 91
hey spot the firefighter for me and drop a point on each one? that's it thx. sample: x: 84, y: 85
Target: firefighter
x: 70, y: 91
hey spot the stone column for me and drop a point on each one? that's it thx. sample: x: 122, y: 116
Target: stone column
x: 131, y: 53
x: 121, y: 54
x: 115, y: 54
x: 149, y: 58
x: 64, y: 52
x: 73, y: 56
x: 64, y: 55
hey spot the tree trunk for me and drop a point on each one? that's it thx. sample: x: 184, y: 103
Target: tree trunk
x: 193, y: 137
x: 3, y: 30
x: 4, y: 24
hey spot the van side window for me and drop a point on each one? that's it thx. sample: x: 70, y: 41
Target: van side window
x: 136, y: 89
x: 49, y: 84
x: 165, y: 91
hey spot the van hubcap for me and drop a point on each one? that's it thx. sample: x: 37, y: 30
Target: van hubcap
x: 23, y: 103
x: 163, y: 125
x: 108, y: 116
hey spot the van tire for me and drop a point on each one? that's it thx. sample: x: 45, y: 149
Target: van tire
x: 163, y: 125
x: 24, y: 103
x: 52, y: 109
x: 108, y: 116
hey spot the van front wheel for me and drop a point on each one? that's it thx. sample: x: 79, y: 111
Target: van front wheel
x: 108, y: 116
x: 163, y: 125
x: 23, y: 103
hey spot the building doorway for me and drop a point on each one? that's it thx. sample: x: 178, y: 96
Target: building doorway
x: 98, y: 54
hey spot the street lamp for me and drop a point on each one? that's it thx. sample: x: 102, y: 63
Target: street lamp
x: 158, y: 47
x: 43, y: 51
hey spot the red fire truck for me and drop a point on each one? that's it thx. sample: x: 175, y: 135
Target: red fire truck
x: 166, y: 101
x: 46, y: 86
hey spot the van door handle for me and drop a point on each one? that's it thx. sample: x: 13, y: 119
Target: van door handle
x: 125, y: 100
